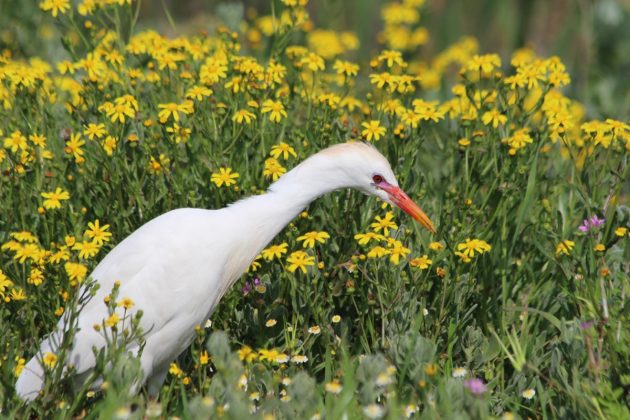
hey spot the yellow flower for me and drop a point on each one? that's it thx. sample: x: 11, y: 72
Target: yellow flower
x: 273, y: 169
x: 494, y: 118
x: 391, y: 57
x: 112, y: 320
x: 385, y: 223
x: 53, y: 199
x: 270, y: 322
x: 313, y: 62
x: 309, y: 238
x: 600, y: 248
x: 181, y: 134
x: 97, y: 232
x: 276, y: 111
x: 268, y: 355
x: 198, y: 92
x: 373, y: 130
x: 346, y: 68
x: 274, y: 251
x: 243, y: 115
x: 378, y: 252
x: 172, y: 109
x: 365, y: 238
x: 73, y: 147
x: 87, y: 249
x: 175, y: 370
x: 299, y: 260
x: 336, y: 319
x: 19, y: 366
x: 430, y: 369
x: 225, y: 176
x: 76, y: 272
x: 333, y: 387
x: 50, y: 360
x: 93, y: 131
x: 246, y: 354
x: 282, y: 149
x: 436, y: 246
x: 484, y: 63
x: 126, y: 303
x: 564, y: 247
x: 422, y: 262
x: 55, y: 6
x: 621, y: 231
x: 204, y: 358
x: 15, y: 141
x: 396, y: 251
x: 470, y: 246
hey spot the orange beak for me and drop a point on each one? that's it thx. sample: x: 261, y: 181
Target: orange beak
x: 406, y: 204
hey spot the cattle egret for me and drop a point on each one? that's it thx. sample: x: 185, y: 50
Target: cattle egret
x: 176, y: 267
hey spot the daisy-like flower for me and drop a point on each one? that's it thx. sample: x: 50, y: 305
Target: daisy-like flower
x: 299, y: 260
x: 126, y: 303
x: 374, y: 411
x: 372, y: 130
x: 50, y: 360
x: 494, y: 118
x: 314, y: 330
x: 365, y: 238
x: 274, y: 251
x: 459, y: 372
x: 55, y: 6
x: 276, y: 111
x: 299, y: 359
x: 53, y: 199
x: 336, y: 319
x: 528, y: 394
x: 98, y: 233
x: 270, y: 322
x: 87, y: 249
x: 384, y: 223
x: 309, y: 238
x: 283, y: 150
x: 243, y: 116
x: 422, y: 262
x: 273, y: 169
x: 225, y: 176
x: 565, y: 247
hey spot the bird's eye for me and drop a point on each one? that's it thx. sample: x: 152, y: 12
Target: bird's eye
x: 377, y: 179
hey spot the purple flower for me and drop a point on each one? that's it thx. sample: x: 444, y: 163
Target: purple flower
x: 476, y: 386
x: 586, y: 325
x: 257, y: 281
x: 591, y: 223
x: 597, y: 222
x: 246, y: 288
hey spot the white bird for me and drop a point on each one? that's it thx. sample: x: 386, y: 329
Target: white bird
x: 176, y: 267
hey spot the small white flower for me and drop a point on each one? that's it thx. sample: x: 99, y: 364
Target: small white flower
x: 374, y: 411
x: 529, y: 393
x: 459, y: 372
x: 410, y: 410
x: 299, y: 359
x: 384, y: 379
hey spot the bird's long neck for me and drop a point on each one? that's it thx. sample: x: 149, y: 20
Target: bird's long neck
x: 260, y: 218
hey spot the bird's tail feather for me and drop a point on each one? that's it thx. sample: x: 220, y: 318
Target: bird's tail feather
x: 31, y: 380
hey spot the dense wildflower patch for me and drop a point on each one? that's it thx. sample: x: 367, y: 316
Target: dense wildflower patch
x: 516, y: 307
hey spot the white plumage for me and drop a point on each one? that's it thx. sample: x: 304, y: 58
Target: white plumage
x: 177, y: 266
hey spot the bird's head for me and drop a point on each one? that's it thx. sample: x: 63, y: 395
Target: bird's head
x: 366, y: 169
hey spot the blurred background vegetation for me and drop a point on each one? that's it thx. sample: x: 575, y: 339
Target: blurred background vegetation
x: 591, y: 36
